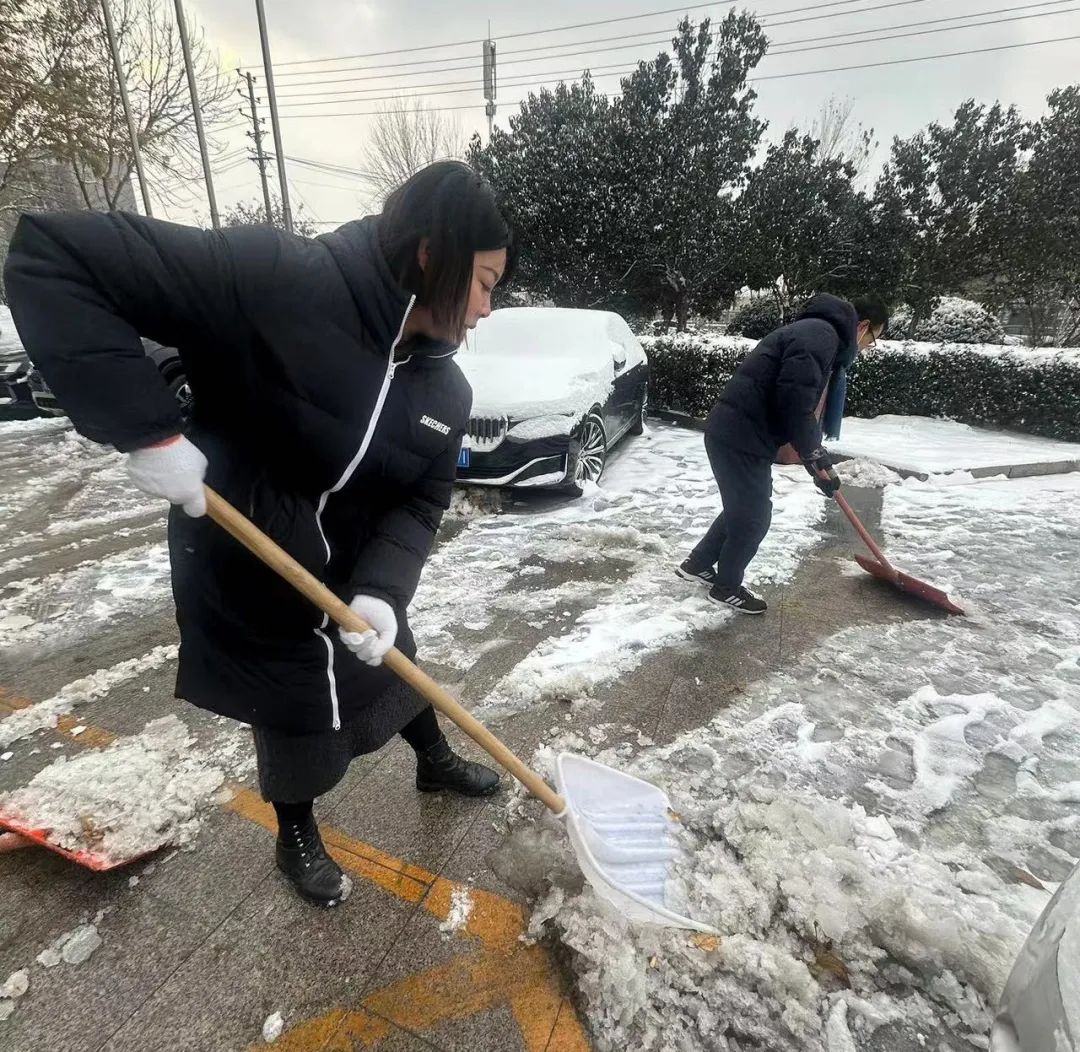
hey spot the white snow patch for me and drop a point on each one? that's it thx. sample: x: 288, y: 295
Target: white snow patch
x: 73, y: 947
x: 272, y: 1028
x: 461, y: 906
x: 98, y: 684
x: 135, y: 796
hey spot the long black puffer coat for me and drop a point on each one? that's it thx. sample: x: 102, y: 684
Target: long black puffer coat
x: 773, y: 397
x: 338, y: 440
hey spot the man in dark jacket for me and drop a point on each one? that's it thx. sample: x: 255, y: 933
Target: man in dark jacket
x: 772, y: 400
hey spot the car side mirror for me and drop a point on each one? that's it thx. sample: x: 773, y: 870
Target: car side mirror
x: 620, y: 360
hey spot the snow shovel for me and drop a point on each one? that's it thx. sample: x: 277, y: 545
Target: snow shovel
x: 621, y: 828
x: 14, y: 836
x: 883, y: 570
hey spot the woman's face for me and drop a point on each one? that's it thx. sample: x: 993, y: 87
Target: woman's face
x: 488, y: 269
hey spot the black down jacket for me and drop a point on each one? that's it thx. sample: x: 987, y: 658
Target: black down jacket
x: 337, y: 440
x: 773, y: 396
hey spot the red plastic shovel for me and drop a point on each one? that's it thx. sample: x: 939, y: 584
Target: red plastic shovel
x: 883, y: 570
x: 14, y: 836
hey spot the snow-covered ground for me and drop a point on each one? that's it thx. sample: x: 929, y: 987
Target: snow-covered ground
x: 875, y: 834
x: 931, y: 447
x: 79, y: 547
x: 657, y: 498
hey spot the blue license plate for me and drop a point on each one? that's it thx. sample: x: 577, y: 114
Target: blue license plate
x: 463, y: 458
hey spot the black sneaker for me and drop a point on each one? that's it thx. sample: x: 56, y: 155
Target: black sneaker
x: 689, y: 572
x: 440, y: 768
x: 740, y: 599
x: 303, y: 859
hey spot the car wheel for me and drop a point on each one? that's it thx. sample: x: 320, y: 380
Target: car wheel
x: 638, y: 426
x: 592, y: 453
x: 180, y: 389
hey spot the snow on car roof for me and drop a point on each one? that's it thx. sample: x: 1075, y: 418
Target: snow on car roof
x: 548, y: 331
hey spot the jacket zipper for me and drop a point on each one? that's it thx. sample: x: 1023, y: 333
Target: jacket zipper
x: 391, y: 368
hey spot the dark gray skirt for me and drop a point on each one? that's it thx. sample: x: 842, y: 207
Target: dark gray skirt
x: 294, y: 768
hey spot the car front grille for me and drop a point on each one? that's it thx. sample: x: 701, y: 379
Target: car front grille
x: 487, y: 432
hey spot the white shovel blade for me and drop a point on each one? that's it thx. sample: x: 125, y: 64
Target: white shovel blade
x: 621, y: 829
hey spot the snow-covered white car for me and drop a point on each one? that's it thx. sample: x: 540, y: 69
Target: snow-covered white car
x: 553, y: 391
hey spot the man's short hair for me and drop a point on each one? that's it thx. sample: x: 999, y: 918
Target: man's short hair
x: 873, y: 310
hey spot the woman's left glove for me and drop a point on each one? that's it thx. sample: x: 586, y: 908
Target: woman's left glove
x: 372, y: 646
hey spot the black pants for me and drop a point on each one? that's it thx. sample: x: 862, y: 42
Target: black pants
x: 302, y: 767
x: 745, y: 483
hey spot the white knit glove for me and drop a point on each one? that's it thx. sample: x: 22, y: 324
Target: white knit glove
x: 372, y: 646
x: 174, y: 471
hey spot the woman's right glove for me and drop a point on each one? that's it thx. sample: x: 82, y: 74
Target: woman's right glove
x: 821, y: 469
x: 173, y: 469
x: 374, y: 644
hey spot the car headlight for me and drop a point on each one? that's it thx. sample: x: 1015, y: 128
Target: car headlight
x: 537, y: 427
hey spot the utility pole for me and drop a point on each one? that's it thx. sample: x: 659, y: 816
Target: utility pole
x: 133, y: 132
x: 193, y: 91
x: 271, y: 96
x: 257, y: 136
x: 491, y: 81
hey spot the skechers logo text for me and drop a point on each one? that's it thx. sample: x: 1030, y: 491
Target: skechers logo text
x: 435, y: 425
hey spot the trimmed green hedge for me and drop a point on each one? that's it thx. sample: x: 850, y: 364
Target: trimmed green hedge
x: 1016, y: 390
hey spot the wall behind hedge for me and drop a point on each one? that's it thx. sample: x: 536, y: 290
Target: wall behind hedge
x: 1037, y: 392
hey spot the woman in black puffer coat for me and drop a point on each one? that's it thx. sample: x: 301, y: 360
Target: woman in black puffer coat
x: 327, y: 407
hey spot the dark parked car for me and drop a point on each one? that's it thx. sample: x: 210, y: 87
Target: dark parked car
x: 553, y: 391
x: 24, y: 389
x: 15, y: 396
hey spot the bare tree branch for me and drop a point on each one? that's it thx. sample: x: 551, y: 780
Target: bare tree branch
x: 406, y: 137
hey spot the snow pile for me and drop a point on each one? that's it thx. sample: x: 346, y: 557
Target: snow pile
x: 875, y: 838
x: 97, y: 685
x: 866, y: 473
x: 135, y: 796
x: 461, y: 906
x: 917, y: 444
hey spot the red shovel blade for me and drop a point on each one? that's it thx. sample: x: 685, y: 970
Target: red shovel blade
x: 907, y: 583
x: 98, y: 863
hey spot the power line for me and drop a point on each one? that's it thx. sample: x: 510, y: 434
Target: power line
x: 460, y: 87
x: 562, y: 29
x: 326, y: 186
x: 455, y: 58
x: 920, y: 58
x: 773, y: 76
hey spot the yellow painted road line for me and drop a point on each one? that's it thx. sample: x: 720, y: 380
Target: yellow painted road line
x: 499, y: 970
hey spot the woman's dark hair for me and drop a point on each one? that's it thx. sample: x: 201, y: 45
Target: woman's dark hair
x: 872, y: 309
x: 451, y: 207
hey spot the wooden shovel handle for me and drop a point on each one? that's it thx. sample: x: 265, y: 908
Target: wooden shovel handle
x: 252, y: 538
x: 862, y: 531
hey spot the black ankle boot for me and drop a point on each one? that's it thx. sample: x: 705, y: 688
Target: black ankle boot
x: 303, y: 859
x: 441, y: 768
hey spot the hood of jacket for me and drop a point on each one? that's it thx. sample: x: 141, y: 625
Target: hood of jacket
x: 842, y: 317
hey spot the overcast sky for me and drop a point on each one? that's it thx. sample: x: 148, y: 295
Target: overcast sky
x: 893, y: 100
